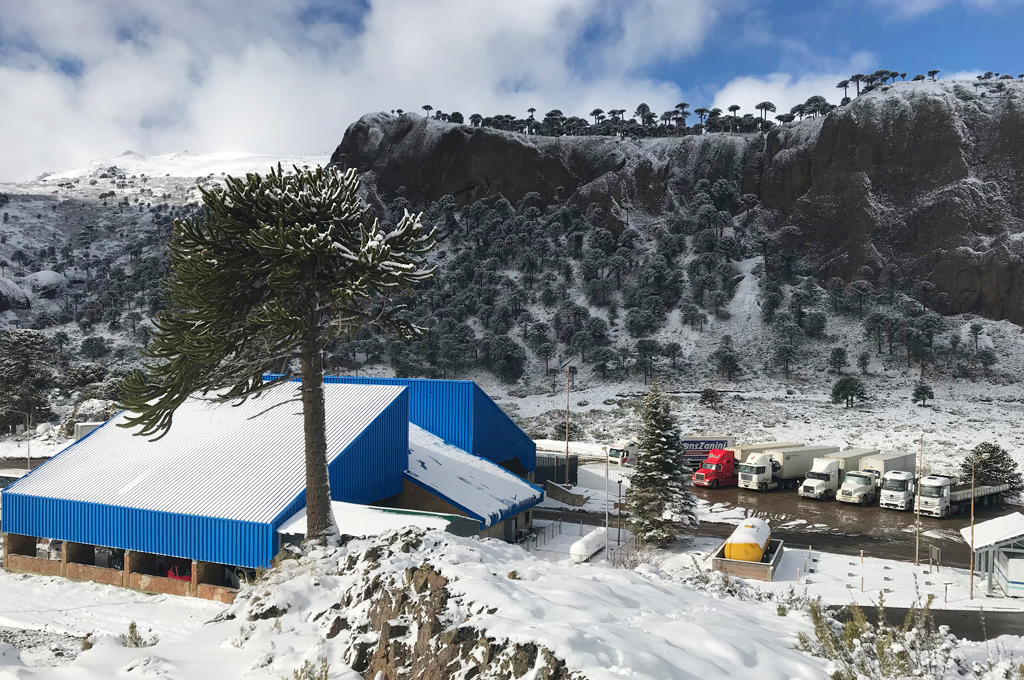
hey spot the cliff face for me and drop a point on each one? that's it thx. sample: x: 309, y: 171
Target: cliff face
x: 927, y: 176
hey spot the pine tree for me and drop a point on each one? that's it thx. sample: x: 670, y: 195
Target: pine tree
x: 710, y: 397
x: 863, y: 361
x: 992, y: 465
x: 26, y: 373
x: 272, y: 270
x: 847, y: 389
x: 922, y: 393
x: 837, y: 360
x: 659, y: 500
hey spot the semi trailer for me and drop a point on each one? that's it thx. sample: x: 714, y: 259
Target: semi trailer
x: 780, y: 468
x: 939, y: 497
x: 719, y: 468
x: 861, y: 486
x: 826, y: 473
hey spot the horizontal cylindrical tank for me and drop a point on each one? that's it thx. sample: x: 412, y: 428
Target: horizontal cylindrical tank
x: 749, y: 541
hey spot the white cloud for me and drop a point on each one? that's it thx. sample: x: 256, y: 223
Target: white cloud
x: 158, y: 77
x: 909, y: 9
x: 786, y: 90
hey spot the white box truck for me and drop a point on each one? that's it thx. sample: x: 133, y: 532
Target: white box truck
x: 898, y: 488
x: 827, y: 472
x: 861, y: 486
x: 780, y: 468
x: 939, y: 497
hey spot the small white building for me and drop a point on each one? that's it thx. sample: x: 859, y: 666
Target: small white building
x: 999, y: 552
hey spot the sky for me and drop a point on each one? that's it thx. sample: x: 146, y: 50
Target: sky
x: 87, y: 79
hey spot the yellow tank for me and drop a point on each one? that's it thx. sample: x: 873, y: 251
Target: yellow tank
x: 749, y: 541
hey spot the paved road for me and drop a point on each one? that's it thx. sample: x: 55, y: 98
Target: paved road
x: 876, y: 544
x: 971, y: 625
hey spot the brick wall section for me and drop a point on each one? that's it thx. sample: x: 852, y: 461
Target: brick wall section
x: 160, y: 584
x: 84, y: 572
x: 33, y: 565
x: 216, y: 593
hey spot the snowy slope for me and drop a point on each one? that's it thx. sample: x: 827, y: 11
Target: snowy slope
x: 185, y: 164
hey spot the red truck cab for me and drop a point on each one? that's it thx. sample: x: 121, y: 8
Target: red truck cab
x: 718, y: 469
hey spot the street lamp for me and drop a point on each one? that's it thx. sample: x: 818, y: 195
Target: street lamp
x: 974, y: 459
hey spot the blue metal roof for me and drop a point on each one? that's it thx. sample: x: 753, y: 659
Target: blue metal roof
x: 218, y: 485
x: 462, y: 414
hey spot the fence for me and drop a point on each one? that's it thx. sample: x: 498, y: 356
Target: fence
x: 623, y: 553
x: 551, y: 466
x: 591, y: 476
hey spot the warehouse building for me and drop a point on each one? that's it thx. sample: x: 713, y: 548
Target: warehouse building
x: 222, y: 491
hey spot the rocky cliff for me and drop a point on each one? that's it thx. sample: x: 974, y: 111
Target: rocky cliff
x: 927, y: 176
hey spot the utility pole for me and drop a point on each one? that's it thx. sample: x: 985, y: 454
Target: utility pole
x: 567, y: 422
x: 917, y: 505
x: 607, y: 545
x: 973, y: 461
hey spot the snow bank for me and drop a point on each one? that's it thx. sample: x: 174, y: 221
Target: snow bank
x: 485, y: 490
x: 583, y: 549
x: 361, y: 520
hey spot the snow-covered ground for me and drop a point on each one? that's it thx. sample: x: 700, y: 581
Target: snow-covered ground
x: 837, y: 579
x: 635, y: 623
x: 187, y: 164
x: 52, y: 607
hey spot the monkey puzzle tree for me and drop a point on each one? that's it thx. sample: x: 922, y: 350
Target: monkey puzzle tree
x: 272, y: 270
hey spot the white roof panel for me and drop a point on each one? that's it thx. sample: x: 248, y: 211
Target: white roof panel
x: 243, y: 462
x: 997, y: 530
x: 485, y: 489
x: 363, y: 520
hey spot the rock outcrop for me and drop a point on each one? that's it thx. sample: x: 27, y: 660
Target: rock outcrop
x: 928, y: 177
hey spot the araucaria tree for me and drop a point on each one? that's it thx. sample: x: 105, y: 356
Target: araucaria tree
x: 922, y: 393
x: 26, y: 373
x: 992, y: 465
x: 272, y: 270
x: 659, y: 500
x: 848, y: 389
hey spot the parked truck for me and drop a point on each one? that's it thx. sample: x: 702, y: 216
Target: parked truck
x: 827, y: 472
x: 719, y: 468
x: 861, y: 486
x: 939, y: 497
x: 898, y: 488
x: 780, y: 468
x: 696, y: 449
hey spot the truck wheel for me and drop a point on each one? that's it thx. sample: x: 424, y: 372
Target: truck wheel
x: 864, y: 502
x: 714, y: 484
x: 945, y: 512
x: 763, y: 486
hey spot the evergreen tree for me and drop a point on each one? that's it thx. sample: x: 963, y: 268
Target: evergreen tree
x: 785, y: 354
x: 922, y: 393
x: 976, y: 329
x: 987, y: 358
x: 25, y: 374
x: 659, y: 500
x: 992, y: 465
x: 837, y: 360
x: 272, y: 270
x: 710, y: 397
x: 863, y: 360
x: 726, y: 360
x: 847, y: 389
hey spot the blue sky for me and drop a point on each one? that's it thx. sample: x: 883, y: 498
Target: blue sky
x: 92, y: 78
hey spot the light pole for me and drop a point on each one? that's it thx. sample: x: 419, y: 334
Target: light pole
x: 917, y: 505
x: 974, y: 459
x: 567, y: 368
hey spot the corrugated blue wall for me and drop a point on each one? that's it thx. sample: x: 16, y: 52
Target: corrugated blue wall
x: 496, y: 437
x: 462, y: 414
x: 441, y: 407
x: 369, y: 469
x: 246, y: 544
